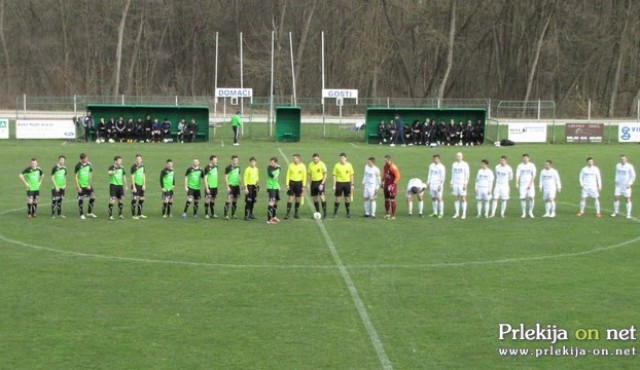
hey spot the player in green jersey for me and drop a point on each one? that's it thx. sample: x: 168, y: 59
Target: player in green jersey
x: 82, y: 173
x: 117, y: 184
x: 273, y: 190
x: 236, y: 125
x: 192, y: 186
x: 211, y: 186
x: 167, y: 183
x: 59, y: 180
x: 232, y: 177
x: 138, y: 186
x: 31, y: 177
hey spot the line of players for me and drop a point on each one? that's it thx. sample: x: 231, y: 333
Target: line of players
x: 316, y: 175
x: 430, y: 132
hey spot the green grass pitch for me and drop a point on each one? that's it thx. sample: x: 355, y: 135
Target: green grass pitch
x: 209, y: 294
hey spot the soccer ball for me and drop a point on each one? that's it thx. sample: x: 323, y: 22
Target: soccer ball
x: 317, y: 215
x: 98, y: 141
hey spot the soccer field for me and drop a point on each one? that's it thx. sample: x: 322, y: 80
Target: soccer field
x: 410, y: 293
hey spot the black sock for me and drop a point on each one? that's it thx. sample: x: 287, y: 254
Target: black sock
x: 59, y: 206
x: 347, y: 205
x: 29, y: 209
x: 251, y: 208
x: 195, y: 208
x: 206, y: 209
x: 54, y: 206
x: 169, y: 207
x: 324, y: 207
x: 246, y: 209
x: 269, y: 212
x: 317, y: 205
x: 335, y: 208
x: 133, y: 207
x: 275, y: 210
x: 296, y: 208
x: 234, y: 207
x: 226, y: 208
x: 140, y: 206
x: 164, y: 208
x: 80, y: 206
x: 110, y: 209
x: 186, y: 206
x: 34, y: 208
x: 120, y: 207
x: 288, y: 207
x: 211, y: 208
x: 91, y: 202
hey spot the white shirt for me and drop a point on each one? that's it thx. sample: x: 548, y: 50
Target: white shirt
x: 415, y: 182
x: 590, y: 177
x: 550, y: 179
x: 371, y: 176
x: 460, y: 173
x: 484, y: 178
x: 436, y: 175
x: 625, y: 174
x: 525, y: 173
x: 504, y: 174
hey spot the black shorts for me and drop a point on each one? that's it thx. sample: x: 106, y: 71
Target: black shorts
x: 116, y: 191
x: 273, y: 194
x: 315, y: 188
x: 33, y: 194
x: 86, y: 192
x: 194, y: 193
x: 167, y: 195
x: 252, y: 193
x: 235, y: 191
x: 295, y: 188
x: 59, y: 194
x: 139, y: 191
x: 343, y: 188
x: 213, y: 193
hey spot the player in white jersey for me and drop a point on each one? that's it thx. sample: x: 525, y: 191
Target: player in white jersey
x: 459, y: 182
x: 370, y: 184
x: 525, y: 181
x: 484, y: 183
x: 415, y: 187
x: 625, y: 176
x: 504, y: 174
x: 591, y: 184
x: 435, y: 185
x: 550, y: 185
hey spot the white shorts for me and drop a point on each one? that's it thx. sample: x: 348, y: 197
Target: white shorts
x: 434, y: 192
x: 458, y: 191
x: 548, y: 194
x: 501, y: 192
x: 369, y: 191
x: 590, y: 192
x: 527, y: 193
x: 622, y: 191
x: 483, y: 194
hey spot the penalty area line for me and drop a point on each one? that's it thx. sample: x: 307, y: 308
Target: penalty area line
x: 362, y: 311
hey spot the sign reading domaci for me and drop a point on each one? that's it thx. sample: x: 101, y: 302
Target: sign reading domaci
x: 4, y: 128
x: 44, y: 128
x: 629, y: 132
x: 232, y: 92
x: 527, y: 132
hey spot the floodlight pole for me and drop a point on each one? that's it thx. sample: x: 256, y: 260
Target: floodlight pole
x: 241, y: 79
x: 273, y: 40
x: 324, y: 130
x: 215, y: 82
x: 293, y: 73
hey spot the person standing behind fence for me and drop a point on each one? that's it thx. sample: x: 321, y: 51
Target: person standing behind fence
x: 236, y: 125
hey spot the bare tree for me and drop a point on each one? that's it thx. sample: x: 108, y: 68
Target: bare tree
x: 452, y: 39
x: 121, y: 27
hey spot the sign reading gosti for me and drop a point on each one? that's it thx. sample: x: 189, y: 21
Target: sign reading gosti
x: 584, y: 132
x: 340, y: 94
x: 527, y: 132
x: 233, y: 92
x: 629, y: 132
x: 4, y: 128
x: 44, y: 128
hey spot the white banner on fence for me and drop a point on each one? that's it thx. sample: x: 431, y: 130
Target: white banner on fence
x: 629, y: 132
x: 4, y: 128
x: 527, y: 132
x: 232, y: 92
x: 45, y: 129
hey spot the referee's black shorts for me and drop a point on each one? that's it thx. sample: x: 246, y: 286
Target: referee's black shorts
x: 295, y: 188
x: 343, y: 188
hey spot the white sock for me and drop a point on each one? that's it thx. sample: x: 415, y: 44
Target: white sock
x: 503, y: 207
x: 523, y: 206
x: 628, y: 208
x: 494, y: 208
x: 553, y: 207
x: 479, y: 207
x: 411, y: 207
x: 440, y: 208
x: 547, y: 208
x: 531, y: 203
x: 597, y: 205
x: 420, y: 206
x: 486, y: 208
x: 456, y: 206
x: 366, y: 207
x: 373, y: 207
x: 464, y: 207
x: 616, y: 206
x: 582, y: 204
x: 434, y: 205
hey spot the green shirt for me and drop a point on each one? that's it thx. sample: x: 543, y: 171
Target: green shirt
x: 193, y: 176
x: 211, y: 172
x: 233, y: 175
x: 236, y: 121
x: 83, y: 171
x: 167, y: 179
x: 138, y: 174
x: 59, y: 174
x: 32, y: 177
x: 272, y: 178
x: 117, y: 175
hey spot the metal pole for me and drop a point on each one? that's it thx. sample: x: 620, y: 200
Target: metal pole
x: 293, y: 73
x: 75, y: 105
x: 273, y: 41
x: 122, y: 98
x: 176, y: 100
x: 388, y: 102
x: 24, y: 102
x: 589, y: 110
x: 215, y: 82
x: 638, y: 109
x: 538, y: 109
x: 324, y: 129
x: 241, y: 80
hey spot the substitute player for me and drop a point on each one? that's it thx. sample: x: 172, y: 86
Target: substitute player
x: 504, y: 174
x: 435, y: 185
x: 459, y: 180
x: 343, y: 185
x: 591, y: 184
x: 625, y: 176
x: 31, y: 177
x: 167, y: 183
x: 370, y: 183
x: 296, y: 181
x: 273, y: 190
x: 550, y: 185
x: 59, y: 180
x: 117, y: 184
x: 317, y: 171
x: 525, y: 181
x: 83, y: 176
x: 192, y: 186
x: 484, y: 184
x: 211, y: 187
x: 415, y: 187
x: 232, y: 179
x: 390, y: 178
x: 251, y: 187
x: 138, y: 186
